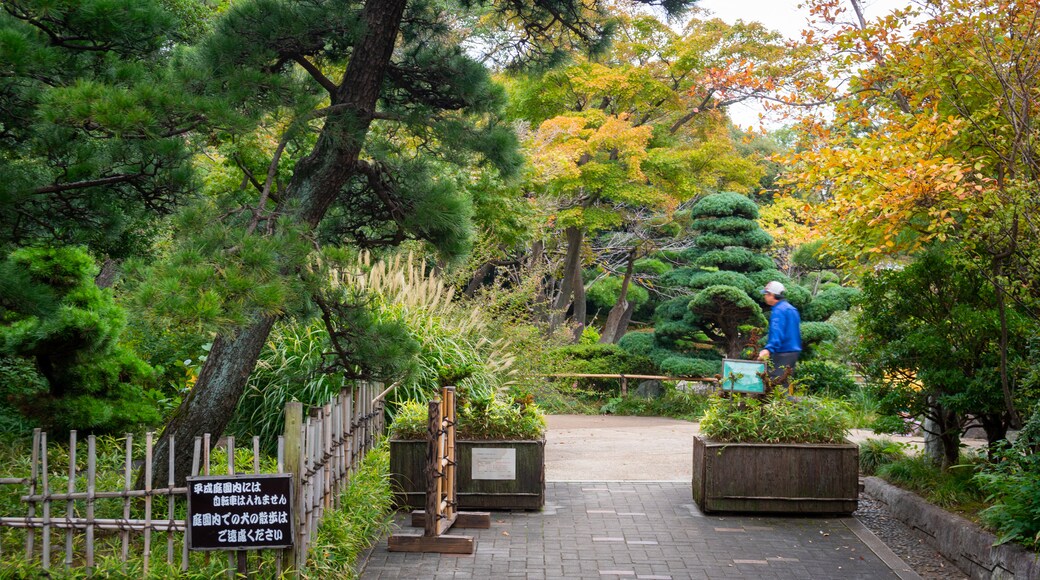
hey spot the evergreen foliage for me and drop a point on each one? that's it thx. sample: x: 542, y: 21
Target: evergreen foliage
x: 91, y: 126
x: 81, y: 376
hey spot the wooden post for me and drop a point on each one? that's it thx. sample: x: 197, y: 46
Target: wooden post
x: 233, y: 563
x: 91, y: 475
x: 148, y: 499
x: 293, y: 441
x: 195, y: 457
x: 433, y: 460
x: 170, y: 502
x: 624, y: 386
x: 44, y: 469
x: 30, y: 533
x: 128, y: 466
x: 70, y: 504
x: 440, y: 513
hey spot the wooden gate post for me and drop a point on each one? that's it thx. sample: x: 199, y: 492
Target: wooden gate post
x: 440, y: 514
x: 293, y: 462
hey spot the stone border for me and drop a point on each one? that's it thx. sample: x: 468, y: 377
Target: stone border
x: 958, y: 539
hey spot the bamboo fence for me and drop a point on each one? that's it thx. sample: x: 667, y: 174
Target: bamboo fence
x: 321, y: 452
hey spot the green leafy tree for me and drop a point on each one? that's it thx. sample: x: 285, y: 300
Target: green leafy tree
x: 53, y: 315
x: 930, y: 339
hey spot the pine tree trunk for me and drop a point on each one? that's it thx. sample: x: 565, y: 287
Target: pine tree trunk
x: 317, y: 180
x: 211, y: 403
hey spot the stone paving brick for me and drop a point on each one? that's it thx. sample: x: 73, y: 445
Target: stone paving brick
x: 637, y: 530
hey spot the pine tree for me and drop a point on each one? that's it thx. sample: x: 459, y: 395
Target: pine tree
x: 387, y: 79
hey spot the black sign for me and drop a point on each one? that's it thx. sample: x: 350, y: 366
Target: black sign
x: 240, y: 512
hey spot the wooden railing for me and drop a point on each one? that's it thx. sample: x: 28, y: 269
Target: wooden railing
x: 624, y: 378
x: 321, y: 452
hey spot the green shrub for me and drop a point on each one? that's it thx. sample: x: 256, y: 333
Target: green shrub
x: 365, y: 517
x: 828, y: 302
x: 675, y: 403
x: 953, y: 487
x: 741, y: 419
x: 1012, y: 482
x: 597, y: 359
x: 874, y: 453
x: 54, y: 315
x: 479, y: 420
x: 681, y: 366
x: 820, y: 377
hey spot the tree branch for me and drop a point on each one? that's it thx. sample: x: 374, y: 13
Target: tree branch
x: 323, y: 80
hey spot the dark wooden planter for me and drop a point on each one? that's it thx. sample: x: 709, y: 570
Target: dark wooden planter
x: 781, y: 477
x: 526, y: 490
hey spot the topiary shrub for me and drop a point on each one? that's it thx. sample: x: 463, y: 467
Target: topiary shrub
x: 821, y: 377
x: 681, y: 366
x: 831, y: 300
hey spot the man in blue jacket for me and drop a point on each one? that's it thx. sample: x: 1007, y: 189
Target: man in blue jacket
x: 785, y: 338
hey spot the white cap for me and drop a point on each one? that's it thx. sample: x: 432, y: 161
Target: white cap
x: 775, y: 288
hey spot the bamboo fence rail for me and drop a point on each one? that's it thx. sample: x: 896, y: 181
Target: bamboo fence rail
x: 320, y: 452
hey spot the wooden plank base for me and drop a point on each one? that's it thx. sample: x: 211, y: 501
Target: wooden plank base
x: 472, y: 520
x: 435, y: 544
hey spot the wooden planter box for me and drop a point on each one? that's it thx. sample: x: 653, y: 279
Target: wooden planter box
x: 508, y: 474
x: 781, y: 477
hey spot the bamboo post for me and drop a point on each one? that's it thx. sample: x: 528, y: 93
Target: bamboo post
x: 91, y: 480
x: 205, y: 471
x: 232, y: 563
x: 148, y: 500
x: 292, y: 443
x: 70, y: 503
x: 326, y: 459
x: 170, y: 504
x: 280, y: 468
x: 45, y: 469
x: 334, y: 418
x: 195, y: 457
x: 348, y: 414
x: 256, y: 454
x: 433, y: 437
x: 30, y: 534
x: 127, y: 469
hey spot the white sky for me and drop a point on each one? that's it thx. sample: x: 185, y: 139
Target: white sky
x: 786, y: 17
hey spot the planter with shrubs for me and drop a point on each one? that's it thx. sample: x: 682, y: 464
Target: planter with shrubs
x: 500, y: 452
x: 775, y: 455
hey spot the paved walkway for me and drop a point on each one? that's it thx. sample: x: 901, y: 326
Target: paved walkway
x: 619, y: 505
x: 645, y: 530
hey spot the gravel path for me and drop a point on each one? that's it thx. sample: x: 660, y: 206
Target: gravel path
x: 906, y: 543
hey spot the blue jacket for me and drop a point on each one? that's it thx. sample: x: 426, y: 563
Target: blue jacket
x: 784, y: 334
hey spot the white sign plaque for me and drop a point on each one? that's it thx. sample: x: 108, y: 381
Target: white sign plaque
x: 494, y: 463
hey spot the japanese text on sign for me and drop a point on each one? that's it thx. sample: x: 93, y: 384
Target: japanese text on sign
x: 239, y: 512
